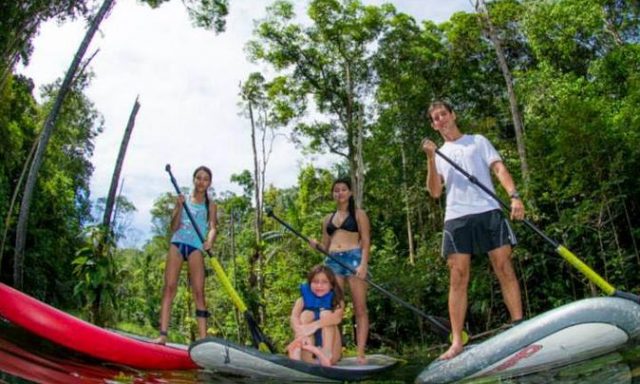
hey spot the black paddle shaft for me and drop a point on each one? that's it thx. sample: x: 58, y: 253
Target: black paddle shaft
x: 186, y: 208
x: 256, y: 333
x: 440, y: 326
x: 475, y: 181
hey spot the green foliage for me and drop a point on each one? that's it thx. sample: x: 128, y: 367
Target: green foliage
x: 97, y: 275
x: 577, y: 77
x: 20, y: 21
x: 582, y: 137
x: 208, y: 14
x: 61, y: 201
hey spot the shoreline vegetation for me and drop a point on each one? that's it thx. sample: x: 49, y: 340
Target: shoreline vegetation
x: 369, y: 72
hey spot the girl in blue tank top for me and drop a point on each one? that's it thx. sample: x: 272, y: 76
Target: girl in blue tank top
x: 315, y: 318
x: 186, y: 246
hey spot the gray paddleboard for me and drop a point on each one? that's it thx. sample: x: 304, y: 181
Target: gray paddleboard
x: 224, y: 356
x: 567, y: 334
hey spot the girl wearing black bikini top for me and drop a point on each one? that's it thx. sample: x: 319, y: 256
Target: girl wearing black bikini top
x: 345, y: 235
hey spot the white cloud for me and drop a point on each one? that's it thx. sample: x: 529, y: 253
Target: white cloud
x: 187, y: 80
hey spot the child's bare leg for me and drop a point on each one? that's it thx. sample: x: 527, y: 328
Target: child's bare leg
x: 329, y: 336
x: 307, y: 317
x: 336, y: 346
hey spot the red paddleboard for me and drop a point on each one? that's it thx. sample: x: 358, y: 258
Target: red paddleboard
x: 81, y: 336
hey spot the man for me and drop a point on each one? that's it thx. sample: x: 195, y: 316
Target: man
x: 474, y: 222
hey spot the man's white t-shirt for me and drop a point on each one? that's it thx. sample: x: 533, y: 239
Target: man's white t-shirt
x: 474, y: 154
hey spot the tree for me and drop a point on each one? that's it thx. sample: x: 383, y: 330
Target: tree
x: 47, y: 130
x: 410, y: 63
x: 330, y: 61
x: 19, y: 23
x: 208, y: 14
x: 257, y: 107
x: 19, y: 114
x: 111, y: 197
x: 516, y: 116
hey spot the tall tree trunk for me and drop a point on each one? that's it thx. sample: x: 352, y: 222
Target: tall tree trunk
x: 353, y: 124
x: 407, y: 208
x: 232, y: 236
x: 115, y: 208
x: 14, y: 198
x: 262, y: 176
x: 47, y: 130
x: 256, y: 178
x: 359, y: 161
x: 516, y: 116
x: 254, y: 283
x: 111, y: 197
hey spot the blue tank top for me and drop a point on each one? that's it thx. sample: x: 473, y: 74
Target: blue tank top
x: 186, y: 234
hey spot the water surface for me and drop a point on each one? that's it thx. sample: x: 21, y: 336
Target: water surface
x: 26, y: 358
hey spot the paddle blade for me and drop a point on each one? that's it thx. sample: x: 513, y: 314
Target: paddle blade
x: 260, y: 340
x: 443, y: 322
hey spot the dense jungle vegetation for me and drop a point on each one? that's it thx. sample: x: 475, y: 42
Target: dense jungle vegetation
x: 356, y: 81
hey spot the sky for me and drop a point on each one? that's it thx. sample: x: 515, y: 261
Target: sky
x: 187, y: 80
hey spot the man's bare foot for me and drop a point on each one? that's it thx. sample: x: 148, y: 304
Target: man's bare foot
x: 361, y: 360
x: 453, y: 351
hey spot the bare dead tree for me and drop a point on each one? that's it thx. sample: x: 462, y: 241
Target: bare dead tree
x: 47, y: 130
x: 111, y: 197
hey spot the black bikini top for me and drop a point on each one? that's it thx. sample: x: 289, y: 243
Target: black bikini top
x: 349, y: 224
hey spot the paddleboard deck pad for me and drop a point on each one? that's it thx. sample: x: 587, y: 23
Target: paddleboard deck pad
x: 224, y: 356
x: 567, y: 334
x: 78, y: 335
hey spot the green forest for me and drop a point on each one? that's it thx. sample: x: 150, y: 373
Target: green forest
x: 553, y: 84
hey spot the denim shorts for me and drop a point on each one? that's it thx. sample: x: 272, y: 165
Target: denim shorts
x: 351, y: 258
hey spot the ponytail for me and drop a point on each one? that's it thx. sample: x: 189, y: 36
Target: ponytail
x: 352, y: 206
x: 206, y: 203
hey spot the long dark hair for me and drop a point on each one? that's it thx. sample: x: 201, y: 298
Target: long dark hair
x: 352, y: 202
x: 206, y: 194
x: 338, y: 295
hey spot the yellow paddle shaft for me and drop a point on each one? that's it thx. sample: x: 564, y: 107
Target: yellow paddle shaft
x: 226, y: 284
x: 588, y: 272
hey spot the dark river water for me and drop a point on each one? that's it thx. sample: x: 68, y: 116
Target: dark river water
x: 25, y: 358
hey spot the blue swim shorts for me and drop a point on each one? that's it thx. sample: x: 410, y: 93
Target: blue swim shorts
x: 352, y: 258
x: 185, y: 249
